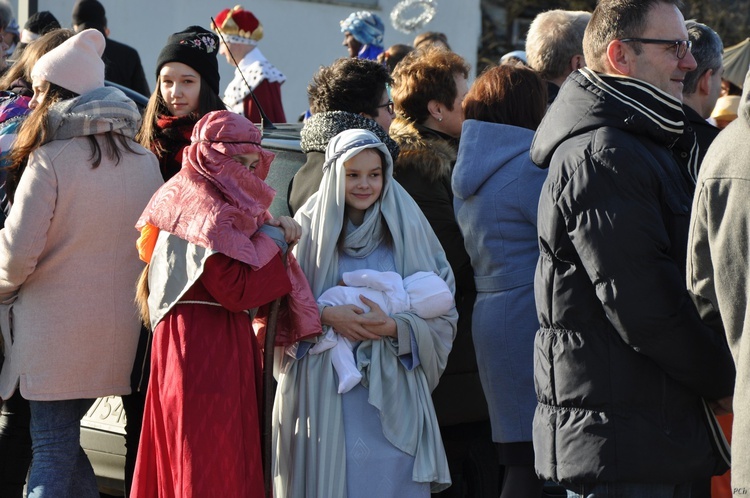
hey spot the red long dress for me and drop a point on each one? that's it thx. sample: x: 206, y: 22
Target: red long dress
x: 201, y: 425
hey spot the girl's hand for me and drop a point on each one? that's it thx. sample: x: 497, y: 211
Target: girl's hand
x: 352, y: 322
x: 386, y: 326
x: 292, y: 230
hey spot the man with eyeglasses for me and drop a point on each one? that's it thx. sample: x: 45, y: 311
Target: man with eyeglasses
x: 350, y: 93
x: 626, y: 372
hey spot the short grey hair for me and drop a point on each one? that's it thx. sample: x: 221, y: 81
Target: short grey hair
x: 6, y: 14
x: 707, y: 50
x: 554, y: 37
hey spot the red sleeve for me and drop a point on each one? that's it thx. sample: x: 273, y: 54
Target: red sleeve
x: 237, y: 287
x: 269, y: 96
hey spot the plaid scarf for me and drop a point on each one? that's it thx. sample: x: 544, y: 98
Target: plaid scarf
x: 103, y: 110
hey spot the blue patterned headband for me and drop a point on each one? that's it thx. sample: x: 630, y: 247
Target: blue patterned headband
x: 365, y: 27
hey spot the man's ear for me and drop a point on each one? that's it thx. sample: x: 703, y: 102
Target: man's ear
x: 704, y: 82
x: 576, y: 62
x: 620, y: 57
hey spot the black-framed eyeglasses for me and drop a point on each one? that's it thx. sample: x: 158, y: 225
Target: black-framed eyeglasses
x: 681, y: 47
x: 388, y: 106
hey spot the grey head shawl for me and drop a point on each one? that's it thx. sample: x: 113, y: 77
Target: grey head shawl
x: 310, y: 457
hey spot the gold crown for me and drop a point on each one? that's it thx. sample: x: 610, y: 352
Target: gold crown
x: 239, y: 22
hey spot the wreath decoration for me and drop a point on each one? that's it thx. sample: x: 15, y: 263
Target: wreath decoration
x: 407, y: 7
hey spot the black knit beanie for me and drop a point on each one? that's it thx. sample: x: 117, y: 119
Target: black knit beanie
x: 195, y: 47
x: 89, y: 14
x: 37, y: 25
x: 41, y: 23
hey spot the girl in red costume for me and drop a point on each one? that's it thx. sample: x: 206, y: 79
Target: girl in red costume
x: 213, y: 259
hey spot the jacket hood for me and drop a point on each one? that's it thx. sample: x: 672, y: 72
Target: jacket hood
x: 423, y: 150
x: 485, y: 148
x: 589, y: 100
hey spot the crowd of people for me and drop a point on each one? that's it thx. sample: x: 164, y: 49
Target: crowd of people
x: 557, y: 250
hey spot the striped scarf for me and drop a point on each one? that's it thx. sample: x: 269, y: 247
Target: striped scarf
x: 659, y: 113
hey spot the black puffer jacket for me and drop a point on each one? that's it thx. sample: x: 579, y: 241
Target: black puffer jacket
x: 622, y: 358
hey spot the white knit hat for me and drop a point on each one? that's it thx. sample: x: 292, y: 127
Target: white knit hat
x: 76, y: 64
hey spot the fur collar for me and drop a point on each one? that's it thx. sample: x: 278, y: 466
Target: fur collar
x: 424, y: 151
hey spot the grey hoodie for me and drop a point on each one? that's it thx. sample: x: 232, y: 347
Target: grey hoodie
x: 718, y: 267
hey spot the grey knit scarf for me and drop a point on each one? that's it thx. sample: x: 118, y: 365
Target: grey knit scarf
x: 323, y: 126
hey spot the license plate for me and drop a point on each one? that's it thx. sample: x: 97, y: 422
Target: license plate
x: 106, y: 414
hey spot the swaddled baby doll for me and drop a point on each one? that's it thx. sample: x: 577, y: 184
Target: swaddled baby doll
x: 423, y: 293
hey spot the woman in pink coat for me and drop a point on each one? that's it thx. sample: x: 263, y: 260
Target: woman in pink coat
x: 67, y: 262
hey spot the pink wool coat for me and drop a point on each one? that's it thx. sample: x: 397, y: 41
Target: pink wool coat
x: 68, y: 253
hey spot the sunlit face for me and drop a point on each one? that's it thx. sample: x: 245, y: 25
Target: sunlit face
x: 351, y: 44
x: 453, y: 119
x: 658, y: 64
x: 249, y: 160
x: 364, y: 183
x: 180, y: 87
x: 41, y: 88
x: 384, y: 116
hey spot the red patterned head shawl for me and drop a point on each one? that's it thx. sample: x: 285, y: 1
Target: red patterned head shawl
x: 217, y: 203
x: 214, y: 201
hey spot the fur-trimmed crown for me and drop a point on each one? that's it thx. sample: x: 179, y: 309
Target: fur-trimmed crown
x: 239, y: 22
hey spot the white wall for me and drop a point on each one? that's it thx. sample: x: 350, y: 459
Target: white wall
x: 299, y: 36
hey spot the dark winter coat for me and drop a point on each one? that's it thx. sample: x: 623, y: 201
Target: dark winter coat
x: 122, y: 65
x: 424, y: 167
x: 622, y: 359
x: 704, y: 131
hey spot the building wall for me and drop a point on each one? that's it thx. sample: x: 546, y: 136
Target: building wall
x: 300, y: 36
